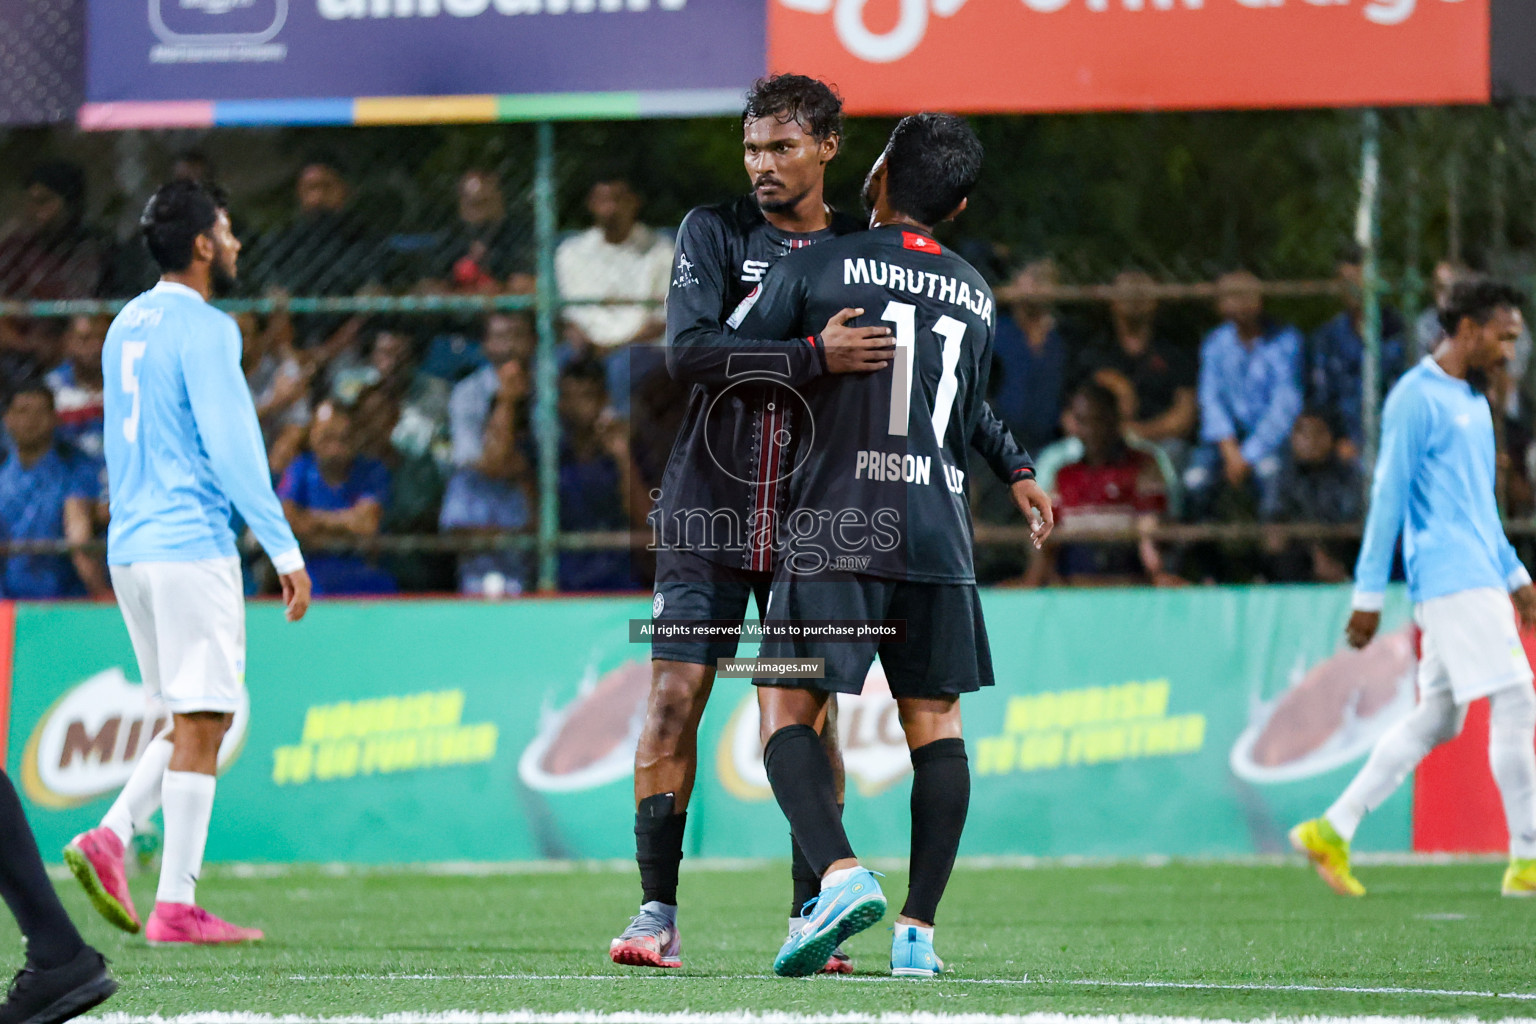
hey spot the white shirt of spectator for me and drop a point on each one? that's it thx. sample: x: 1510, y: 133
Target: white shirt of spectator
x: 588, y: 266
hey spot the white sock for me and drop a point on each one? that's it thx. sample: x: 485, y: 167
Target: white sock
x: 140, y: 797
x: 926, y: 933
x: 1398, y: 752
x: 1511, y: 754
x: 836, y: 877
x: 188, y: 807
x: 795, y: 924
x: 666, y: 910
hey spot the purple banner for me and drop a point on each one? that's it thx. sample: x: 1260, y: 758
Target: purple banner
x: 159, y: 50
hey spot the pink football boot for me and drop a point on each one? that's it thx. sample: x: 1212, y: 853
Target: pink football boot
x: 96, y: 859
x: 183, y: 924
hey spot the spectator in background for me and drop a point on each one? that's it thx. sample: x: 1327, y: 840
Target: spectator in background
x: 416, y: 486
x: 1249, y: 396
x: 1153, y: 381
x: 486, y: 252
x: 1427, y: 331
x: 1112, y: 487
x: 193, y: 164
x: 76, y: 384
x: 327, y: 248
x: 279, y: 381
x: 1031, y: 360
x: 48, y: 491
x: 599, y: 486
x: 1335, y: 358
x: 47, y: 252
x: 617, y: 258
x: 391, y: 365
x: 491, y: 488
x: 331, y: 493
x: 1316, y: 485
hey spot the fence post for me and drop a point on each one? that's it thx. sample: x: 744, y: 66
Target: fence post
x: 546, y: 417
x: 1368, y: 235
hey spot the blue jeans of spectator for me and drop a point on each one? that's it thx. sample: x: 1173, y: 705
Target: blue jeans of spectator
x: 1205, y: 478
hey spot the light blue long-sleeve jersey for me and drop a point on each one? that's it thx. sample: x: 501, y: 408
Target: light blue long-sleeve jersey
x: 1434, y: 484
x: 182, y: 440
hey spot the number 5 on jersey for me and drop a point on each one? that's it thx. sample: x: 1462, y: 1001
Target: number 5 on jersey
x: 133, y: 351
x: 904, y: 316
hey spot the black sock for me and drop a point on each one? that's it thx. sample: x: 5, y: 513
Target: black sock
x: 807, y: 881
x: 52, y: 940
x: 659, y: 848
x: 941, y: 793
x: 801, y: 777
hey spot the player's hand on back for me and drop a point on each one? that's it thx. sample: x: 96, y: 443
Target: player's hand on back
x: 295, y: 593
x: 1036, y: 506
x: 1361, y: 628
x: 1525, y: 605
x: 855, y: 349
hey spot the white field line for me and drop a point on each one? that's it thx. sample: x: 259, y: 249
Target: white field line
x: 734, y: 1017
x: 708, y: 865
x: 1375, y: 990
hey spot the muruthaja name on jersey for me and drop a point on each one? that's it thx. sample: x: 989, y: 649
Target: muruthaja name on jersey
x: 918, y: 282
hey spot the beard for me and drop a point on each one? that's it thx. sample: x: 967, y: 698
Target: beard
x: 221, y: 278
x: 1478, y: 378
x: 782, y: 205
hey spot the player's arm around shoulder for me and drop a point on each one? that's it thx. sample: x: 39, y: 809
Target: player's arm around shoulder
x: 790, y: 288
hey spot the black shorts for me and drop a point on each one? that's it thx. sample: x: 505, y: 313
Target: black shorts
x: 945, y: 651
x: 691, y: 587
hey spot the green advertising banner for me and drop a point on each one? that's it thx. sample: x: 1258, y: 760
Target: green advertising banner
x: 1201, y: 721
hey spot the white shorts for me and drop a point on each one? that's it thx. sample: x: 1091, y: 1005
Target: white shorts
x: 187, y: 624
x: 1471, y: 645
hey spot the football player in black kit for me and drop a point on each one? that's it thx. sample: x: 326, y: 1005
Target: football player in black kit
x: 878, y: 529
x: 723, y: 489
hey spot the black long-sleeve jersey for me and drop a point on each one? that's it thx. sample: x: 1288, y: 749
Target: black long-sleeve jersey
x: 877, y: 469
x: 722, y: 488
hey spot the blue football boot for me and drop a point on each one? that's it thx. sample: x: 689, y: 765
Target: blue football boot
x: 912, y: 954
x: 835, y: 915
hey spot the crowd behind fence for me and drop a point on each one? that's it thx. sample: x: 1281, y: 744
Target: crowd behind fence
x: 394, y: 356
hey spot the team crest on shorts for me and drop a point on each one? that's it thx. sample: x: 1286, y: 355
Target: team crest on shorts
x: 658, y: 604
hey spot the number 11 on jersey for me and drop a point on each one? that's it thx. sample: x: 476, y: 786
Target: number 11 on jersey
x: 903, y: 316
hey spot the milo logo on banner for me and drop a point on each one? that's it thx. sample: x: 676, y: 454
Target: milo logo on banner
x: 85, y: 745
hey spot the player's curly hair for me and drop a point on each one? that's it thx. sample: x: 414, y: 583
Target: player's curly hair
x: 1477, y: 299
x: 173, y: 218
x: 813, y: 103
x: 932, y: 162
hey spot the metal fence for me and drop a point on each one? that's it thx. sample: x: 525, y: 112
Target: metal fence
x: 423, y: 232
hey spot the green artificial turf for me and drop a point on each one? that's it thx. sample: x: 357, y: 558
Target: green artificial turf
x: 354, y: 943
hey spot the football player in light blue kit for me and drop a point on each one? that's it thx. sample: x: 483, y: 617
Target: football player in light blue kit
x: 183, y: 450
x: 1434, y: 484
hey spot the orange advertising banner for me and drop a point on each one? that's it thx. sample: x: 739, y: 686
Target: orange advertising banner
x: 996, y: 56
